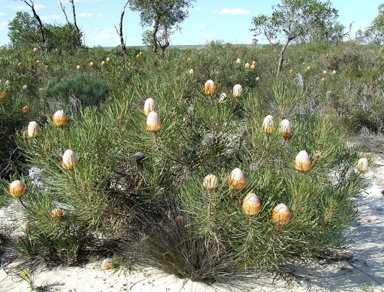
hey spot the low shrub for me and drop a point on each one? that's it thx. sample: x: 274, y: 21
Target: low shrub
x: 78, y: 90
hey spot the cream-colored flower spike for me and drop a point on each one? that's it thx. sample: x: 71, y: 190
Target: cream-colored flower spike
x: 251, y: 204
x: 210, y: 182
x: 285, y: 128
x: 191, y: 72
x: 281, y: 214
x: 59, y: 118
x: 150, y: 106
x: 363, y: 164
x: 153, y: 122
x: 69, y: 159
x: 302, y: 161
x: 236, y: 179
x: 238, y: 61
x: 210, y: 87
x: 268, y: 124
x: 33, y: 130
x: 17, y: 189
x: 237, y: 91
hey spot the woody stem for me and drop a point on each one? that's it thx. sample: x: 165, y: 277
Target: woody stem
x: 22, y: 203
x: 210, y: 203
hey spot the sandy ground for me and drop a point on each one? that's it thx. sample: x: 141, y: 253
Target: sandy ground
x: 364, y: 272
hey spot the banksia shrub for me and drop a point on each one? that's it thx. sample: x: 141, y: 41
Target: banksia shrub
x: 74, y: 91
x: 199, y: 191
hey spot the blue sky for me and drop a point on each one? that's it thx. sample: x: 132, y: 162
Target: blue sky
x: 224, y: 20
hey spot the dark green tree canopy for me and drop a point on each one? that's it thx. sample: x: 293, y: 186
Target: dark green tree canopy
x: 24, y: 31
x: 163, y: 16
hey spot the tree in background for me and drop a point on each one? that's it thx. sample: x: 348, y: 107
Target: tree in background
x: 74, y: 17
x: 374, y: 34
x: 120, y: 31
x: 62, y: 37
x: 163, y: 16
x: 24, y: 31
x: 37, y: 17
x: 299, y: 20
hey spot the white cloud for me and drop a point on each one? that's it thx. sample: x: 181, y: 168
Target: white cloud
x: 197, y: 8
x: 84, y: 15
x: 24, y: 7
x: 215, y: 11
x: 38, y: 6
x: 99, y: 15
x: 49, y: 18
x: 2, y: 14
x: 199, y: 25
x: 236, y: 11
x: 3, y: 25
x: 206, y: 34
x: 17, y: 7
x: 106, y: 30
x: 105, y: 36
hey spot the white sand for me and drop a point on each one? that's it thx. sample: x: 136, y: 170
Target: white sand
x: 365, y: 243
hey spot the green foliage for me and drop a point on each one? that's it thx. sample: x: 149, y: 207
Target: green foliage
x: 140, y: 194
x: 374, y: 34
x: 163, y: 16
x: 62, y: 37
x: 24, y: 31
x: 298, y: 20
x: 12, y: 119
x: 172, y: 246
x: 74, y: 91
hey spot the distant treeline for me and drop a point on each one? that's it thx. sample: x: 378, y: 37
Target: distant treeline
x: 184, y: 46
